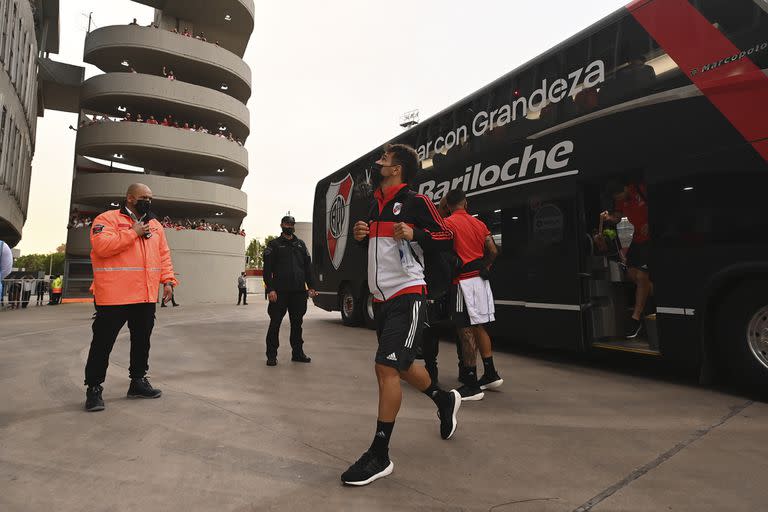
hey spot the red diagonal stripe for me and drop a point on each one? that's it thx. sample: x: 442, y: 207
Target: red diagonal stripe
x: 739, y: 89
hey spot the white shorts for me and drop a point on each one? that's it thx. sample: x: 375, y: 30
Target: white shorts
x: 475, y: 299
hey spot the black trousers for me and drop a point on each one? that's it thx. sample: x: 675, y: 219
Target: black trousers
x: 109, y: 320
x: 295, y: 303
x: 40, y: 296
x: 242, y: 293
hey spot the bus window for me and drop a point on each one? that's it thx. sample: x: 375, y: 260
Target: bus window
x: 581, y: 101
x: 514, y: 231
x: 545, y: 114
x: 493, y: 219
x: 745, y: 23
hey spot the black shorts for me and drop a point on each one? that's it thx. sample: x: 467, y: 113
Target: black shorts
x: 639, y: 255
x: 399, y: 324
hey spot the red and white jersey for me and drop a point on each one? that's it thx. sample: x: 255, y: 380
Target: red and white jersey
x: 388, y: 277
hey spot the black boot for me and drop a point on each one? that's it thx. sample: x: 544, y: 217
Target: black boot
x: 141, y: 388
x: 93, y: 400
x: 301, y: 358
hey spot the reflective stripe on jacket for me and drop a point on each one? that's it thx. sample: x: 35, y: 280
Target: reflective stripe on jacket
x: 128, y: 269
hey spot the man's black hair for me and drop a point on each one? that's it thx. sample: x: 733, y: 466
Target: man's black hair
x: 288, y: 219
x: 455, y: 197
x: 407, y: 158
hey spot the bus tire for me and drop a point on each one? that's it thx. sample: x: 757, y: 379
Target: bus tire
x: 351, y: 306
x: 742, y: 333
x: 369, y: 317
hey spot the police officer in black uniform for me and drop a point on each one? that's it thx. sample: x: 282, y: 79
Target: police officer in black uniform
x: 288, y: 277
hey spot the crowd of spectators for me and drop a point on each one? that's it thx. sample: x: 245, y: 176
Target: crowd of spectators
x: 166, y: 121
x: 198, y: 225
x: 80, y: 220
x: 185, y: 33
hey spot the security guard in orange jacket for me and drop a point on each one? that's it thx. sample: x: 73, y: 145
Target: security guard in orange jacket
x: 130, y: 258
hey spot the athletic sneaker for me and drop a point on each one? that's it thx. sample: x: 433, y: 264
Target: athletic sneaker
x: 446, y: 411
x: 634, y: 329
x: 470, y: 394
x: 272, y: 362
x: 490, y: 381
x: 367, y: 469
x: 93, y: 400
x: 141, y: 388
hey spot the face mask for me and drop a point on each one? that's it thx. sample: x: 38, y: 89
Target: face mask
x: 376, y: 174
x: 289, y: 231
x: 143, y: 206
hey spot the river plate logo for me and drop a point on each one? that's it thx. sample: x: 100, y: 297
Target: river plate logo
x: 337, y: 201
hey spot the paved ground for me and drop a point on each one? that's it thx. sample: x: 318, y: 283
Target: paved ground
x: 230, y: 434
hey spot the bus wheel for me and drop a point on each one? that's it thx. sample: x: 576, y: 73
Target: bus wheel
x: 369, y: 317
x: 351, y: 307
x: 743, y: 334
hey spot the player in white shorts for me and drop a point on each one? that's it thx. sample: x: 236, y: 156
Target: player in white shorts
x: 472, y: 299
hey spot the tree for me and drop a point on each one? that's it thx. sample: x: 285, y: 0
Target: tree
x: 34, y: 263
x: 255, y: 252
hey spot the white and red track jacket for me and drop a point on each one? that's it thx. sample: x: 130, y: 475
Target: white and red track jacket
x: 387, y: 278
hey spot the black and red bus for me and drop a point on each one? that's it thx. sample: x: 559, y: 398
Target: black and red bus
x: 673, y: 93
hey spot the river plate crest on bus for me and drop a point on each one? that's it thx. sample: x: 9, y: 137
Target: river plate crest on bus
x: 337, y: 201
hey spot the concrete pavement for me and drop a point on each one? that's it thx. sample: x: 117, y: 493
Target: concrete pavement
x: 230, y: 434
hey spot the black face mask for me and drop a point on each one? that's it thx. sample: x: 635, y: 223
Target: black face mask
x: 376, y: 176
x: 289, y: 231
x: 143, y: 206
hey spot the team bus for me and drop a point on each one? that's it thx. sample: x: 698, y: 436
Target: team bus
x: 671, y: 95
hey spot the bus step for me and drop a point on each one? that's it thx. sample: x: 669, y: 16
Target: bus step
x: 636, y: 346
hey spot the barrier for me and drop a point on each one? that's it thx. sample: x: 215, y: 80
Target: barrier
x: 20, y: 293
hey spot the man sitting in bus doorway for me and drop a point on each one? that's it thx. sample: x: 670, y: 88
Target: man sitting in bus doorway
x: 632, y: 203
x: 400, y: 228
x: 473, y: 306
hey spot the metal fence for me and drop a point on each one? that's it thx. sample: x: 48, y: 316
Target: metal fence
x: 21, y: 293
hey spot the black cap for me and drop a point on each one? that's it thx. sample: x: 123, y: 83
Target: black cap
x: 288, y: 219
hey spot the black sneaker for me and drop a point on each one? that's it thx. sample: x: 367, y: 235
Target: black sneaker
x: 301, y: 358
x: 634, y: 329
x: 490, y: 381
x: 446, y: 411
x: 271, y: 362
x: 93, y: 400
x: 367, y: 469
x: 141, y: 388
x: 470, y: 394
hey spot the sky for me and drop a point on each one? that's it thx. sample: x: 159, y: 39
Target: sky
x: 330, y: 82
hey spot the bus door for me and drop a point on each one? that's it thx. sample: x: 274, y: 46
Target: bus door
x: 536, y: 282
x: 609, y: 287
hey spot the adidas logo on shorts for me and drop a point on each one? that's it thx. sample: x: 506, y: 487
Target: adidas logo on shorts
x: 392, y: 357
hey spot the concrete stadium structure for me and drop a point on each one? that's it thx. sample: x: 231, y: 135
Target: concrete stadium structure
x: 192, y: 175
x: 29, y: 83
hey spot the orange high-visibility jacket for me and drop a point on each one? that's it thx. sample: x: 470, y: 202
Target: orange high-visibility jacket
x: 127, y: 268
